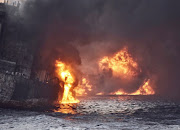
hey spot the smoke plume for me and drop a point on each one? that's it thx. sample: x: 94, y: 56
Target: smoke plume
x: 81, y: 32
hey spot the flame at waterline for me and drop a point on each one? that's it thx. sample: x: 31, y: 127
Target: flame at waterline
x: 124, y: 66
x: 64, y: 73
x: 145, y: 89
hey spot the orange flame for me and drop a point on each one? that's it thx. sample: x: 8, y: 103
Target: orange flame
x: 83, y: 88
x: 119, y: 92
x: 65, y: 75
x: 145, y: 89
x: 100, y: 93
x: 122, y: 64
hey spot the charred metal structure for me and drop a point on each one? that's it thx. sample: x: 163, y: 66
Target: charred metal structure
x: 16, y: 63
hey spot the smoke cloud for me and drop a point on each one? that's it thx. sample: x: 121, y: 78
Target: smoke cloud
x: 83, y: 31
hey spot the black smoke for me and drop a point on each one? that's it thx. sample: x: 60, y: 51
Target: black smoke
x: 91, y: 29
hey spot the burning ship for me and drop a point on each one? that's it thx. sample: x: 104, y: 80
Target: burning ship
x: 26, y: 83
x: 23, y: 82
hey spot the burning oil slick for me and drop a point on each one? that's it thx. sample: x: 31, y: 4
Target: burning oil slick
x: 145, y: 89
x: 121, y: 66
x: 124, y: 67
x: 122, y: 70
x: 107, y: 47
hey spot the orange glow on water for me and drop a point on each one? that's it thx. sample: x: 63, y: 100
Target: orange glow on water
x: 67, y: 109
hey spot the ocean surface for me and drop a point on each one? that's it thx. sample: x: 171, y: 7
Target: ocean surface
x: 100, y: 112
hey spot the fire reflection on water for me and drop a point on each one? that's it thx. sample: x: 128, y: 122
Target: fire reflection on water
x: 67, y: 108
x: 66, y: 103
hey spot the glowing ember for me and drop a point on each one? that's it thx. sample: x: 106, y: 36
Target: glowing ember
x: 145, y: 89
x: 83, y: 88
x: 122, y: 64
x: 65, y: 75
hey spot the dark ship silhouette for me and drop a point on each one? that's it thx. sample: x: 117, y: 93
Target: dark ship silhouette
x: 24, y: 84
